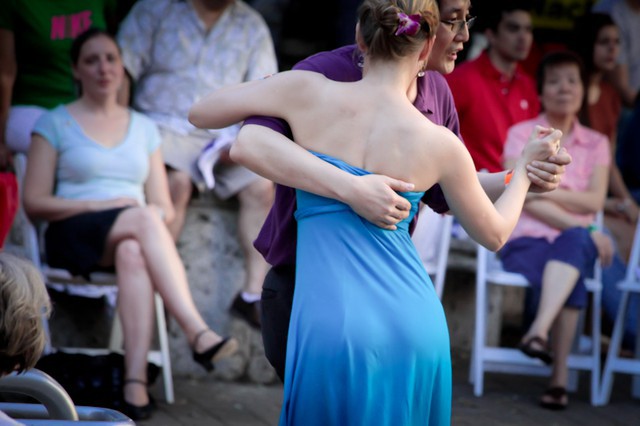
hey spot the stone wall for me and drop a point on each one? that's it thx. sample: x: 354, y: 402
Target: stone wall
x: 213, y: 259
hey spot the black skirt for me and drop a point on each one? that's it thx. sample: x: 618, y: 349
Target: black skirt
x: 77, y: 243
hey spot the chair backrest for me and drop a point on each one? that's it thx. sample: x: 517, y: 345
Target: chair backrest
x: 633, y: 265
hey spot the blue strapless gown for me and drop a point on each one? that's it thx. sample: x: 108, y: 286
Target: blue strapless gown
x: 368, y: 340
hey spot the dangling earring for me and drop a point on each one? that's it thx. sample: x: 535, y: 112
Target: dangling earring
x: 360, y: 61
x: 422, y: 70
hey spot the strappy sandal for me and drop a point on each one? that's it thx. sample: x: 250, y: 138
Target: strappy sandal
x: 555, y: 398
x: 222, y: 349
x: 536, y: 347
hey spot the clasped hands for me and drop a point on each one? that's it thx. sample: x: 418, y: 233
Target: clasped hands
x: 378, y: 201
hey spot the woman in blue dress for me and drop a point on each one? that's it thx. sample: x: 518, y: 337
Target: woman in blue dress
x: 368, y: 341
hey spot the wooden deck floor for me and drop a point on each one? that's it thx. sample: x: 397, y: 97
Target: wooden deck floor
x: 508, y: 400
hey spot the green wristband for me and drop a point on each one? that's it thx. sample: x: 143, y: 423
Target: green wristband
x: 592, y: 227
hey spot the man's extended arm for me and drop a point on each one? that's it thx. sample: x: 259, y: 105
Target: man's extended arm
x: 272, y: 155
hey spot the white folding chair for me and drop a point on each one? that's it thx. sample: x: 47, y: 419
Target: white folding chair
x: 614, y: 363
x: 59, y: 277
x: 432, y: 238
x: 500, y: 359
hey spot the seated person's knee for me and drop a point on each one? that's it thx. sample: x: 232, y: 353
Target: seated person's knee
x: 259, y: 193
x: 129, y: 252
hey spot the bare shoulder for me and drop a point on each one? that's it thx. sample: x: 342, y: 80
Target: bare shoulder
x: 440, y: 146
x: 300, y: 79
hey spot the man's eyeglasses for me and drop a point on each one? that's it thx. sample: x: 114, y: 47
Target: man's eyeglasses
x: 457, y: 25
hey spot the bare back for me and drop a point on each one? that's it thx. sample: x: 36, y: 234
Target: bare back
x: 376, y: 129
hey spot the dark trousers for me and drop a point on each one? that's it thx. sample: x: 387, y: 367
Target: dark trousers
x: 277, y: 299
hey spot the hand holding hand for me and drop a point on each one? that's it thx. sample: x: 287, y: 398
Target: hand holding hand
x: 543, y: 143
x: 545, y: 175
x: 376, y: 200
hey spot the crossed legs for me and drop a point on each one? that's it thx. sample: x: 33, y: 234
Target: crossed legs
x: 147, y: 260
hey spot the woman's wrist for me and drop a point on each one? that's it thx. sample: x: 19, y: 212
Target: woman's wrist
x: 507, y: 177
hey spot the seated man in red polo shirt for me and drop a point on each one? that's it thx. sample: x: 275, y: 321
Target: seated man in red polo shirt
x: 492, y: 92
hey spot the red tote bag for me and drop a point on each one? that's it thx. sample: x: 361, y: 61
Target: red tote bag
x: 9, y: 201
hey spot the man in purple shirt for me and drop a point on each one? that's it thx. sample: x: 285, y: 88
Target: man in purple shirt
x: 260, y: 146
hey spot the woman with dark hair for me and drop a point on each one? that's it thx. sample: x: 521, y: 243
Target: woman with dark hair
x: 95, y: 173
x: 597, y: 41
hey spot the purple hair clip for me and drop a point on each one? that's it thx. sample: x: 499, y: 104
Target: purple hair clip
x: 408, y: 24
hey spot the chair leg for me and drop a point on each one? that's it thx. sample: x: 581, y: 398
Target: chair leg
x: 635, y: 381
x: 164, y: 349
x: 596, y: 332
x: 614, y: 349
x: 479, y: 333
x: 116, y: 339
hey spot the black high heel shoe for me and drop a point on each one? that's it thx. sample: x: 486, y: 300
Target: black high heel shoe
x: 220, y: 350
x: 137, y: 412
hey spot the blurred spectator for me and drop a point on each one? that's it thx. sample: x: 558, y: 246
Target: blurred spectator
x: 25, y: 305
x: 597, y: 41
x: 95, y: 173
x: 35, y: 73
x: 552, y: 244
x: 35, y: 37
x: 626, y: 14
x: 176, y: 52
x: 492, y: 93
x: 629, y: 152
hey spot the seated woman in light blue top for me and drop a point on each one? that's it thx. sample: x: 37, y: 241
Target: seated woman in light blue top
x: 88, y: 169
x: 95, y: 173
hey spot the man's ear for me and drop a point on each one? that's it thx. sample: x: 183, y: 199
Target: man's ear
x: 490, y: 35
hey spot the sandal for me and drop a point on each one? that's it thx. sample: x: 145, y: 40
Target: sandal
x: 222, y: 349
x: 555, y: 398
x: 536, y: 347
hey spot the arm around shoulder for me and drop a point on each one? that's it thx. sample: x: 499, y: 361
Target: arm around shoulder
x: 277, y: 96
